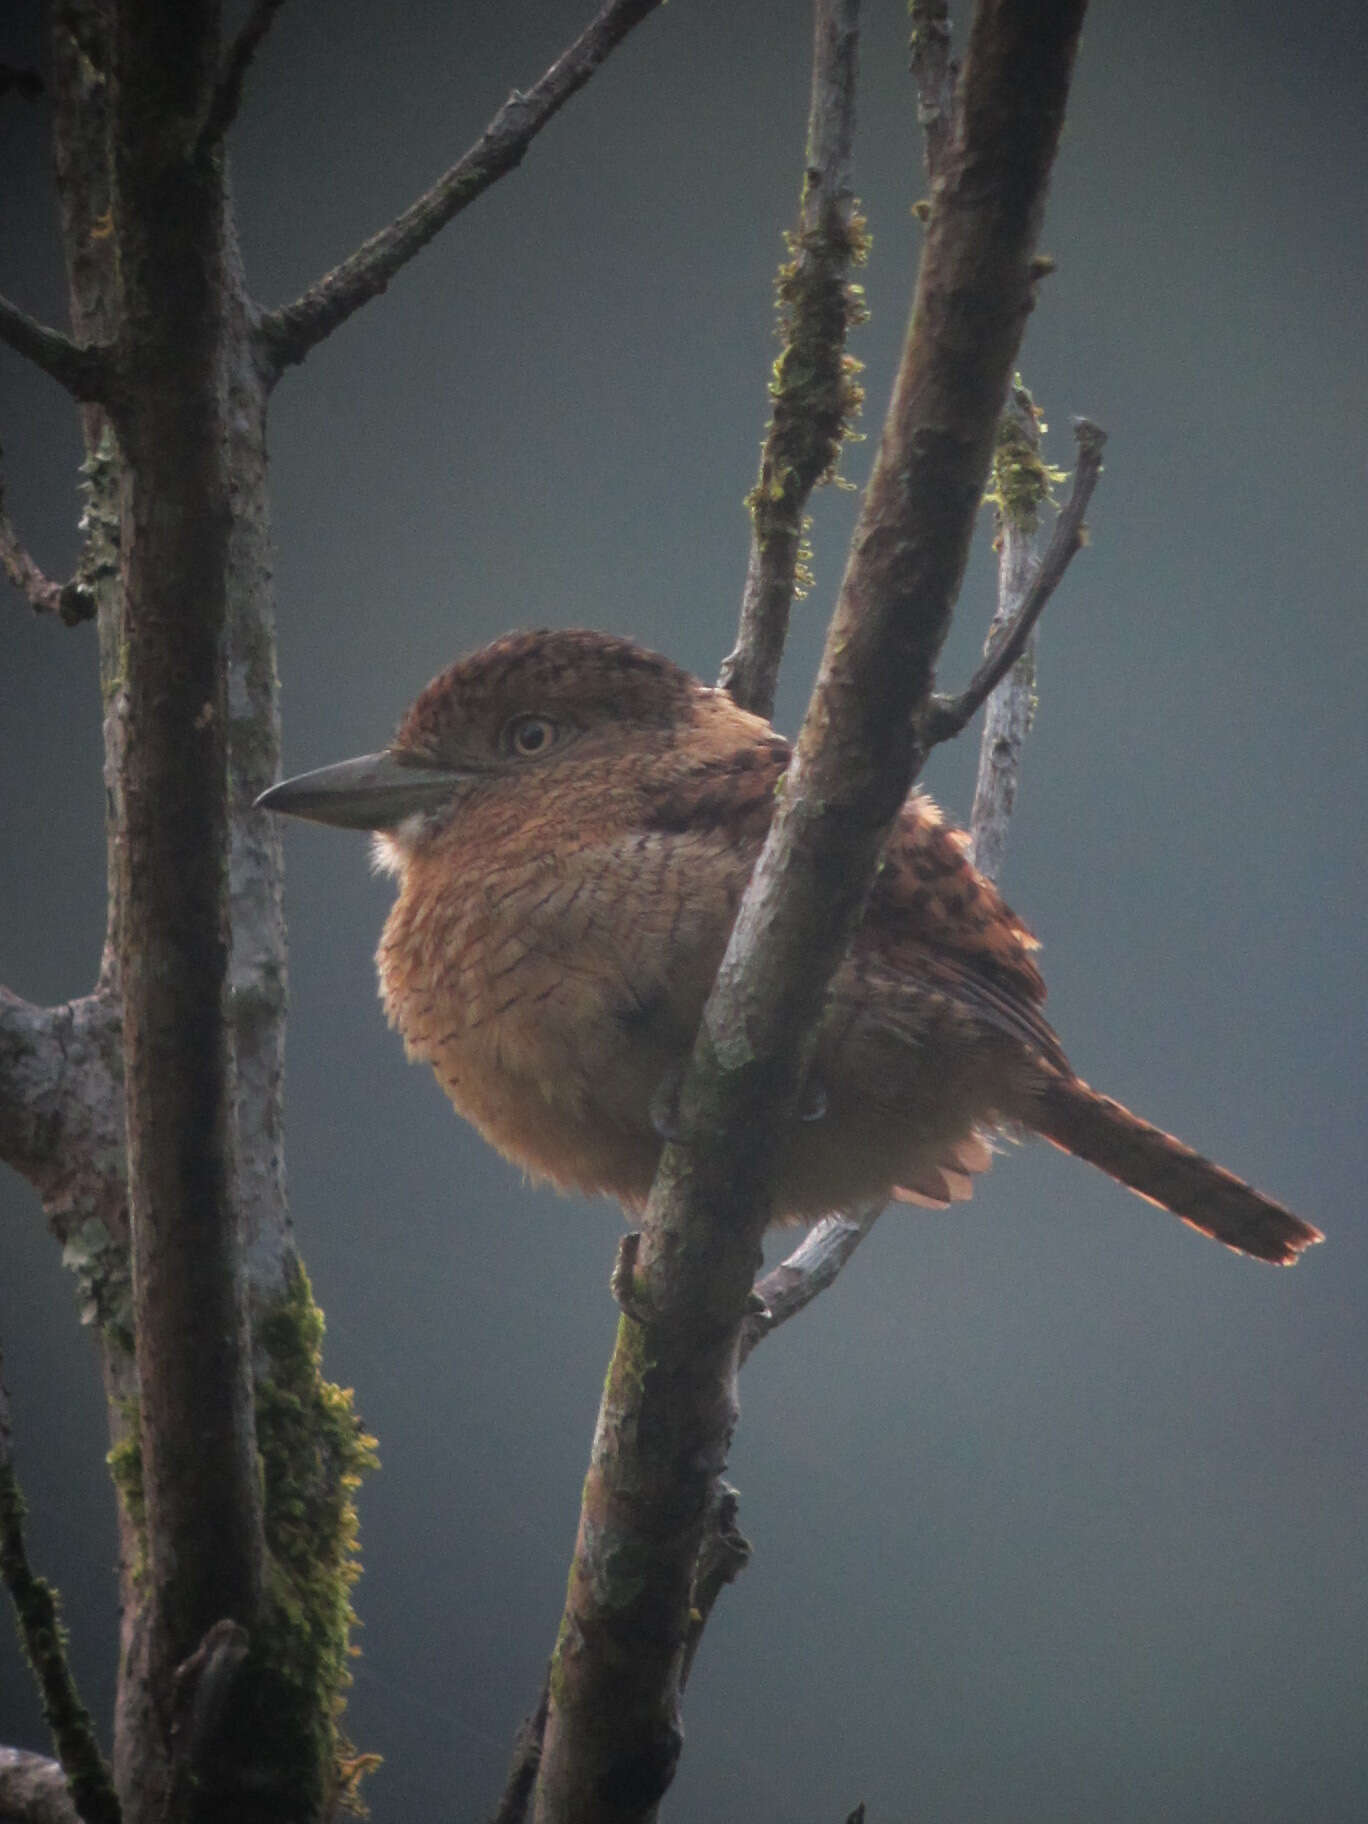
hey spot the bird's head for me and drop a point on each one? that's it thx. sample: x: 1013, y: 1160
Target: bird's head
x: 530, y: 710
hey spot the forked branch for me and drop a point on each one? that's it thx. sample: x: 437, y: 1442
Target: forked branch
x: 72, y: 601
x: 286, y: 336
x: 946, y: 716
x: 82, y: 370
x: 227, y: 96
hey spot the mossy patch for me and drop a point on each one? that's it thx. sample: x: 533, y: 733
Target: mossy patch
x: 284, y: 1732
x: 1021, y: 481
x: 815, y: 386
x: 314, y: 1453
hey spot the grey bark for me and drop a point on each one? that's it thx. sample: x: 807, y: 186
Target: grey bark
x: 180, y: 1045
x: 668, y: 1409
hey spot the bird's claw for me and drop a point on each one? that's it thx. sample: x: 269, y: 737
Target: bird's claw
x: 813, y: 1104
x: 664, y: 1104
x: 623, y: 1281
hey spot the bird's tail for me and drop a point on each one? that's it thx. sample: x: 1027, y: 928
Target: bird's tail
x: 1164, y: 1171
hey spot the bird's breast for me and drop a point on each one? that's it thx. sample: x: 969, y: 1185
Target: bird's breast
x: 552, y: 991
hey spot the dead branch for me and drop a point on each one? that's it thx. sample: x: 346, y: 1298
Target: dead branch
x: 815, y: 393
x: 668, y: 1408
x: 44, y: 1639
x: 946, y: 716
x: 286, y: 336
x: 227, y: 96
x: 934, y: 71
x: 72, y: 601
x: 1021, y: 483
x: 522, y: 1772
x: 83, y: 370
x: 812, y: 1266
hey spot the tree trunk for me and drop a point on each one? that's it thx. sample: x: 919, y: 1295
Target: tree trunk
x: 225, y: 1408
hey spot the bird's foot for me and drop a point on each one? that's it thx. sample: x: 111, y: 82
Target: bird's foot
x: 664, y: 1104
x: 623, y: 1284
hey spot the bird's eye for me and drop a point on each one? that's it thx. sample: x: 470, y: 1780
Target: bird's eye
x: 529, y: 735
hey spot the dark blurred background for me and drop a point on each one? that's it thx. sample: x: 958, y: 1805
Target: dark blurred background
x: 1059, y: 1511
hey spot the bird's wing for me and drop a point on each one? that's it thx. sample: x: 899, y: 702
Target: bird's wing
x: 726, y: 790
x: 930, y: 915
x: 933, y: 914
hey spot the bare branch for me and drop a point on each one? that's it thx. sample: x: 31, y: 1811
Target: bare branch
x: 61, y: 1104
x: 81, y: 369
x: 72, y: 601
x: 1021, y: 482
x: 723, y: 1555
x: 31, y: 1069
x: 227, y: 96
x: 287, y: 335
x: 669, y: 1405
x: 815, y: 393
x: 34, y: 1790
x: 934, y: 71
x: 946, y: 716
x: 39, y: 591
x: 44, y: 1640
x: 522, y: 1772
x: 812, y: 1266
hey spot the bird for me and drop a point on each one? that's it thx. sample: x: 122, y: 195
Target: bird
x: 572, y: 821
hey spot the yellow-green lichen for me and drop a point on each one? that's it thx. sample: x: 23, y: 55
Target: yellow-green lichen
x: 1020, y: 480
x: 314, y: 1453
x: 125, y: 1470
x: 631, y: 1360
x: 814, y: 384
x: 104, y: 1285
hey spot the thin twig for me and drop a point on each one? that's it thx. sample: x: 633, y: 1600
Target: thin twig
x: 72, y: 601
x: 522, y: 1772
x: 814, y: 389
x: 946, y: 716
x: 44, y: 1640
x: 812, y: 1266
x: 39, y: 591
x: 227, y: 96
x: 1021, y: 485
x: 287, y: 335
x: 82, y: 370
x: 723, y: 1555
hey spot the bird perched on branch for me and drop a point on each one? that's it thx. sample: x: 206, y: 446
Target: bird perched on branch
x: 573, y: 821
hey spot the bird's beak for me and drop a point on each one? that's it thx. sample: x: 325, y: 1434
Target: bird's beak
x: 376, y: 792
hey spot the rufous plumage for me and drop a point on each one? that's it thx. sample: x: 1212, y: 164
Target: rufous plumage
x: 572, y: 821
